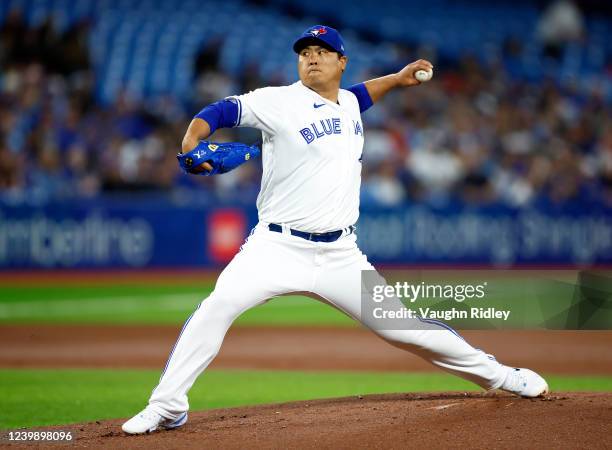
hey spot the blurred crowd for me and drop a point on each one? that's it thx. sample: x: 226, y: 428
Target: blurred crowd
x: 475, y: 134
x: 481, y: 137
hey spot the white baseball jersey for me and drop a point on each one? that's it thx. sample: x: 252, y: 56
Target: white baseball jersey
x: 311, y: 181
x: 311, y: 156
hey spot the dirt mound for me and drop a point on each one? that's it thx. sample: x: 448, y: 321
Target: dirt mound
x: 457, y: 420
x: 292, y: 348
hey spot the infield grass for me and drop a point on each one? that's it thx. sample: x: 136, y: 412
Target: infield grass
x: 52, y: 397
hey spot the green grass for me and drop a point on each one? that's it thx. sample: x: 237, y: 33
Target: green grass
x: 536, y: 299
x: 147, y: 304
x: 46, y: 397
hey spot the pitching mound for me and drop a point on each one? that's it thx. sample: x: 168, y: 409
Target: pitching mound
x: 458, y: 420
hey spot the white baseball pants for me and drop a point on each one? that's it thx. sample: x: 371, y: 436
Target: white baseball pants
x: 271, y: 264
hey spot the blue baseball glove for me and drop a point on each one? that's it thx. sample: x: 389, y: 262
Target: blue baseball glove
x: 223, y: 157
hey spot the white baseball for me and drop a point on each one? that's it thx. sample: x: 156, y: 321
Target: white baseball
x: 423, y: 75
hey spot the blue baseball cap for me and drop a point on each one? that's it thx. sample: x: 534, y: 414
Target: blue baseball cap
x: 320, y: 35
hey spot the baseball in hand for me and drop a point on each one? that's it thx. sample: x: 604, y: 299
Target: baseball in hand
x: 423, y: 75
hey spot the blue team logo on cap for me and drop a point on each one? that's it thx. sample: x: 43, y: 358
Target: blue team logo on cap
x: 327, y: 35
x: 316, y: 32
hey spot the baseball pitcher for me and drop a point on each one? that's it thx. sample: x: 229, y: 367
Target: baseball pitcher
x: 312, y: 141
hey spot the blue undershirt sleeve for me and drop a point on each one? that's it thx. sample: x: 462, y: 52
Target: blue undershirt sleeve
x: 363, y: 96
x: 221, y: 114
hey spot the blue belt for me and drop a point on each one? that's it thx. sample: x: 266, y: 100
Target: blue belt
x: 330, y: 236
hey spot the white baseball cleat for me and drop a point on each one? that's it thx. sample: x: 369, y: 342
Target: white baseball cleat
x: 148, y: 421
x: 524, y: 382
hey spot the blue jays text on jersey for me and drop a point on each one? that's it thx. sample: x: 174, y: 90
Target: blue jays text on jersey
x: 327, y: 127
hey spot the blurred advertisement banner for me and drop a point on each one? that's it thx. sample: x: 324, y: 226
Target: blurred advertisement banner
x: 493, y: 235
x: 160, y: 233
x: 226, y: 232
x: 103, y: 234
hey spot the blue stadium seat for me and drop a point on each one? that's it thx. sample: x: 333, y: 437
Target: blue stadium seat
x: 142, y: 42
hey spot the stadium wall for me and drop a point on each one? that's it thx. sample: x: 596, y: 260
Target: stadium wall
x: 158, y: 233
